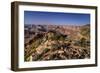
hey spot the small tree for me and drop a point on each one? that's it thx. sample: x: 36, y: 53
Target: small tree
x: 83, y: 42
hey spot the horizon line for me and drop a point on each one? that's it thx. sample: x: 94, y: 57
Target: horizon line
x: 59, y: 24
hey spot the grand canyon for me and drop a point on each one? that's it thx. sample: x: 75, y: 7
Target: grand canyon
x: 43, y: 42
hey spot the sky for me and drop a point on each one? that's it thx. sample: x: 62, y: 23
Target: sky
x: 58, y: 18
